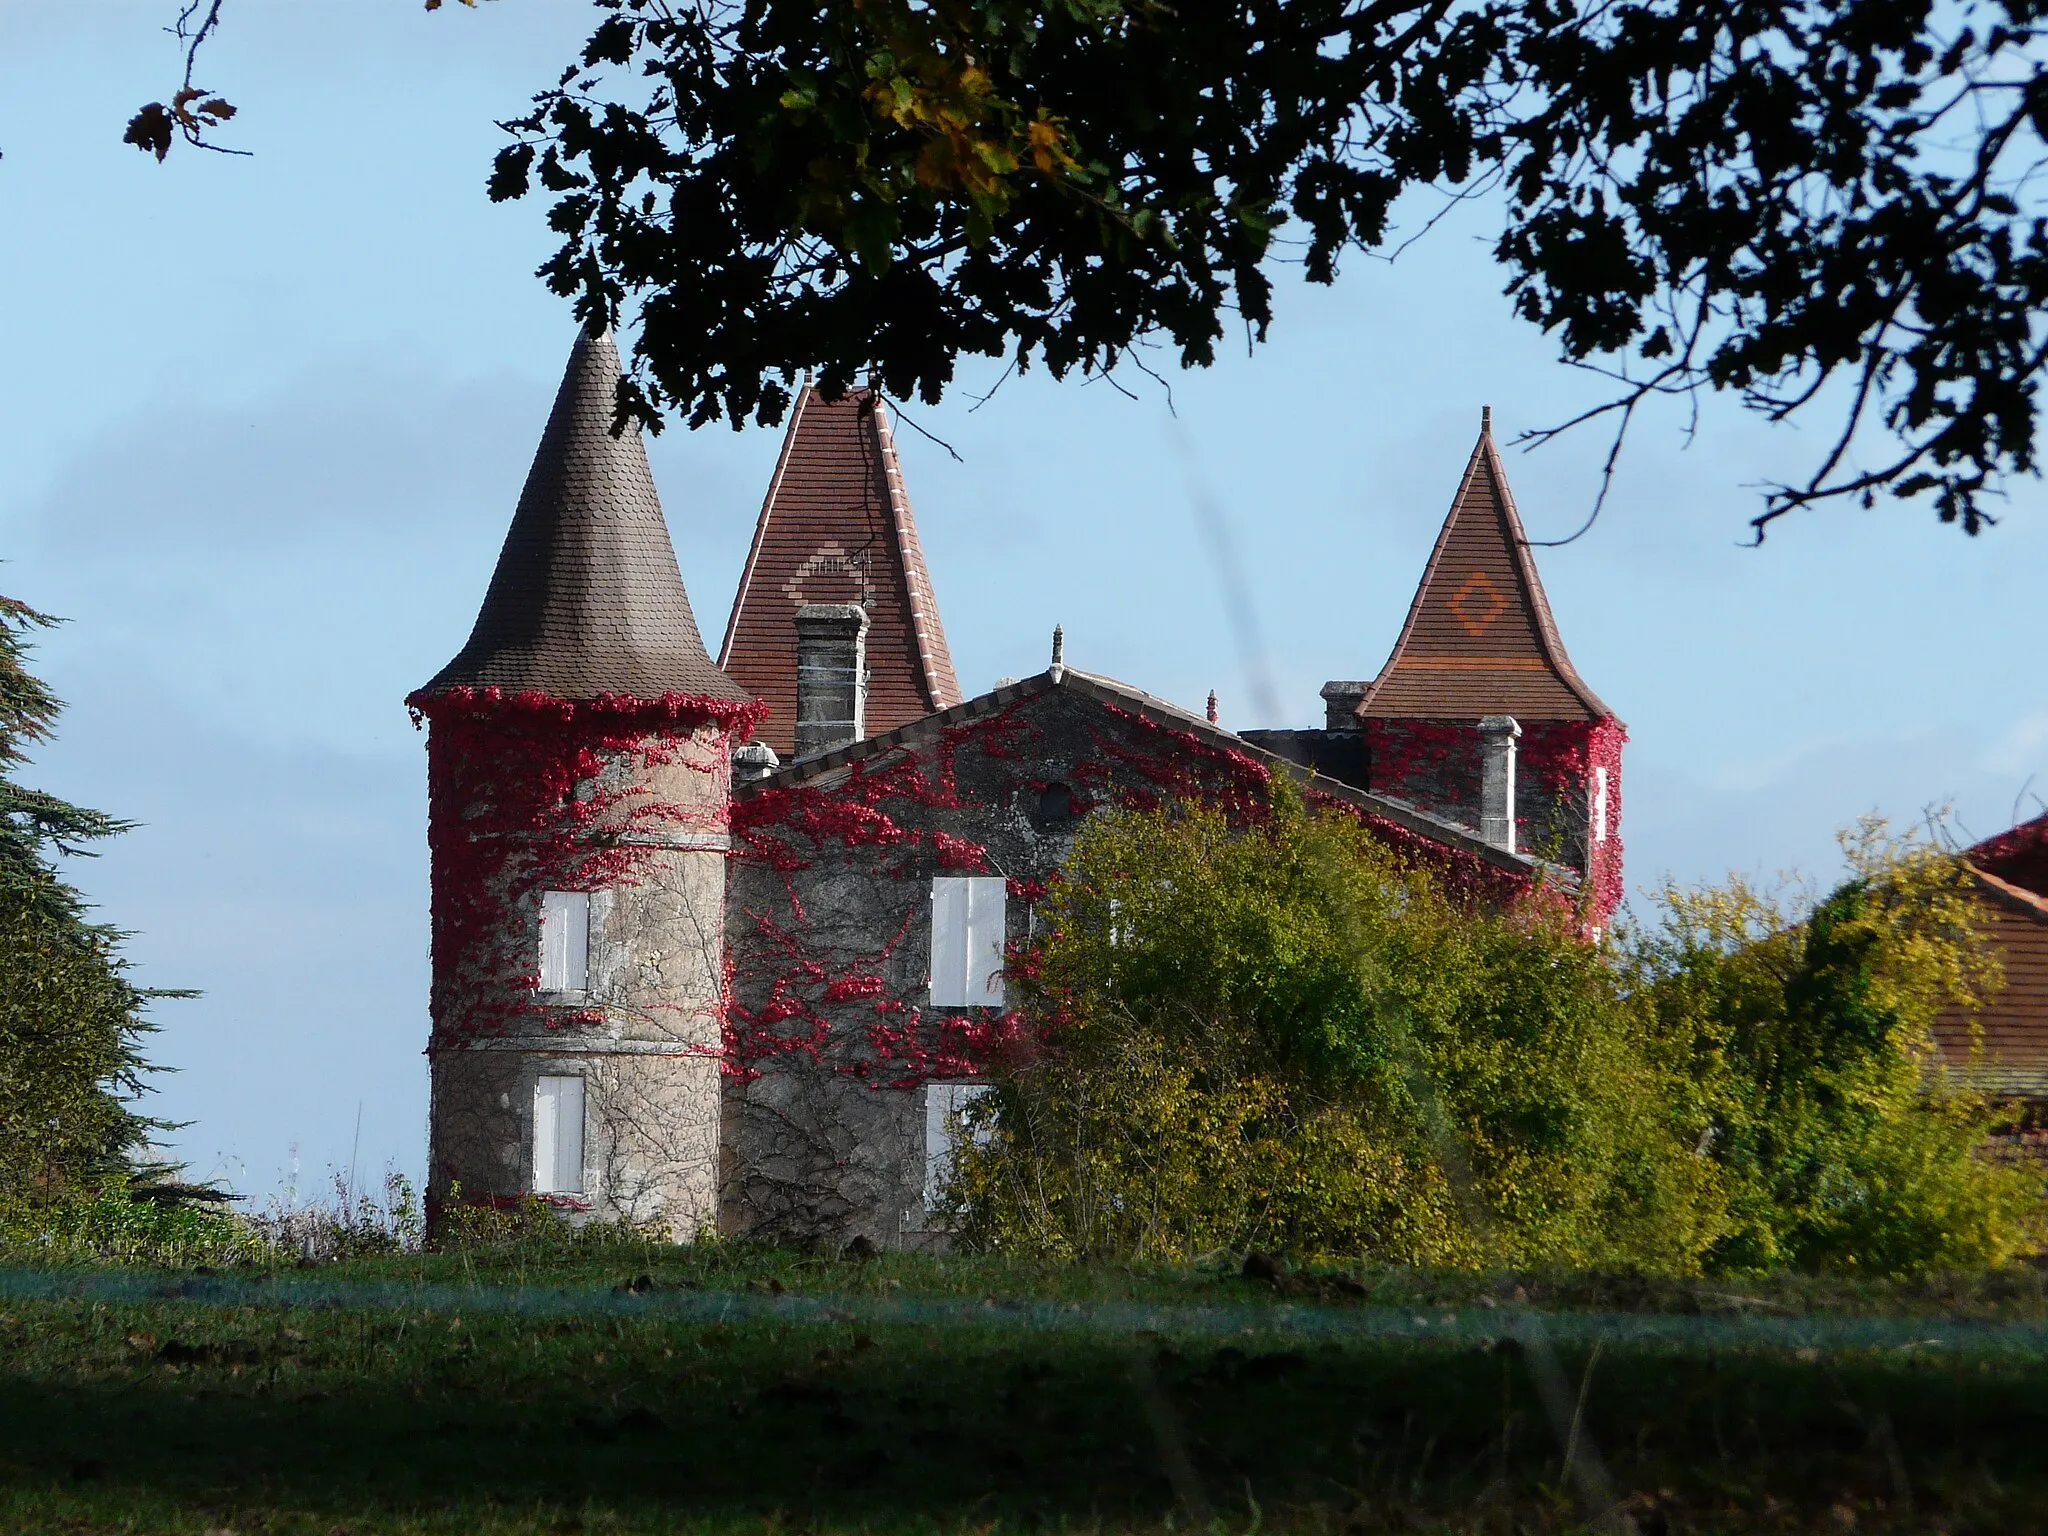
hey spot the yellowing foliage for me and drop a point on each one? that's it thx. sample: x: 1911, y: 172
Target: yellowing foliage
x: 1285, y: 1037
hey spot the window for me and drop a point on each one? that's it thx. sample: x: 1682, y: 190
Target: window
x: 564, y: 941
x: 558, y: 1135
x: 944, y: 1103
x: 1599, y: 805
x: 969, y: 923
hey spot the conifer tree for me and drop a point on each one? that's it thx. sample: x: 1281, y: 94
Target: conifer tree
x: 71, y: 1022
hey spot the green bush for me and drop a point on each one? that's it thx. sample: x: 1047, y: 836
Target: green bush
x: 114, y: 1226
x: 1803, y: 1034
x: 1290, y: 1037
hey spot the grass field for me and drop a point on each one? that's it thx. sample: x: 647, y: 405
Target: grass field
x: 663, y: 1390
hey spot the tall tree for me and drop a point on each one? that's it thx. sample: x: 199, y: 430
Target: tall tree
x: 1828, y: 207
x: 71, y: 1023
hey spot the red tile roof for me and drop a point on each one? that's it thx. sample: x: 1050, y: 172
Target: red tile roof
x: 587, y: 598
x: 836, y: 527
x: 2018, y: 855
x: 1480, y: 639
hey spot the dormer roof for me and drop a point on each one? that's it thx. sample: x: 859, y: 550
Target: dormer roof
x: 587, y: 598
x: 836, y: 527
x: 1480, y: 639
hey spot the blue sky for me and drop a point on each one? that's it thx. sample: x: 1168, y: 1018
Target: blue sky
x: 263, y: 422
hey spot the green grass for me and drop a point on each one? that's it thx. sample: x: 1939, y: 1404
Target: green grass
x: 254, y: 1406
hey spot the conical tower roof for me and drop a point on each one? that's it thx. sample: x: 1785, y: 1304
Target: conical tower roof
x: 836, y: 527
x: 1480, y: 639
x: 587, y: 598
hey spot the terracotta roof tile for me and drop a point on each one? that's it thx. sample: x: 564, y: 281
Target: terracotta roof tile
x: 2018, y: 855
x: 836, y: 527
x: 1480, y: 638
x: 587, y: 598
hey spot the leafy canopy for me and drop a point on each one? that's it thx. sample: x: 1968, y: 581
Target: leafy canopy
x: 1823, y: 205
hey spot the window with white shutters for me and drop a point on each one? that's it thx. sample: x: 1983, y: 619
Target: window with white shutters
x: 558, y: 1136
x: 944, y: 1130
x: 1599, y: 805
x: 970, y: 920
x: 564, y: 941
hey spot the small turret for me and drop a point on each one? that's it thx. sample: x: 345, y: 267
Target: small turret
x: 1480, y: 645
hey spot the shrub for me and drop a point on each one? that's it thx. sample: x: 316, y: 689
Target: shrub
x: 1805, y: 1043
x: 1286, y: 1036
x: 114, y: 1225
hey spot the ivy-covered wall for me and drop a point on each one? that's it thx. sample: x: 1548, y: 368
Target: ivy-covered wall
x: 625, y: 799
x: 1435, y: 766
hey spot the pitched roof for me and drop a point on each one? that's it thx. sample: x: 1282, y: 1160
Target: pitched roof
x: 829, y: 768
x: 836, y: 527
x: 2018, y: 855
x: 1480, y: 639
x: 587, y: 598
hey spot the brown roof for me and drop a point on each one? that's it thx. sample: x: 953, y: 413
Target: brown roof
x: 836, y: 527
x: 587, y: 598
x: 2014, y: 1024
x: 2018, y: 855
x: 1479, y: 638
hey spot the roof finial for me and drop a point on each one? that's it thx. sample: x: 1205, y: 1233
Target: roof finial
x: 1058, y: 669
x: 1486, y: 419
x: 1212, y: 706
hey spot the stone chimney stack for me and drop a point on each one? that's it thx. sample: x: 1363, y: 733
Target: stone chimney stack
x: 1497, y: 736
x: 831, y: 677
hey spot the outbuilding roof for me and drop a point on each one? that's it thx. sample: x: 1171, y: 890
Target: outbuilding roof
x: 587, y: 598
x: 836, y: 527
x: 1479, y: 639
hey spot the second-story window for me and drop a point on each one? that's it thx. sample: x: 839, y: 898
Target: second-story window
x: 564, y: 941
x: 969, y: 922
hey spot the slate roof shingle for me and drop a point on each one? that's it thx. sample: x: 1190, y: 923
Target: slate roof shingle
x: 587, y: 598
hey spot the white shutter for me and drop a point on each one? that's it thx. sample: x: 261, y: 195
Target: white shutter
x: 943, y: 1106
x: 558, y: 1135
x: 564, y: 941
x: 969, y: 923
x: 1599, y: 805
x: 949, y: 942
x: 987, y: 926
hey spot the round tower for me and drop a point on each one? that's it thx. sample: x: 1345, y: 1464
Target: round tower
x: 578, y: 769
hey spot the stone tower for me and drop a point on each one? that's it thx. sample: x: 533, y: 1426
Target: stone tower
x: 1479, y: 715
x: 578, y: 766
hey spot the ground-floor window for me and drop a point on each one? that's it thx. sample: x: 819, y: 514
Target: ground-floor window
x: 558, y: 1136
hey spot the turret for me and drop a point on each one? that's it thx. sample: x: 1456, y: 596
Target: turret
x: 578, y: 764
x: 1479, y: 715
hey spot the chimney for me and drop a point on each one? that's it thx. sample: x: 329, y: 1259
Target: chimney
x: 753, y: 761
x: 831, y: 677
x: 1497, y: 735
